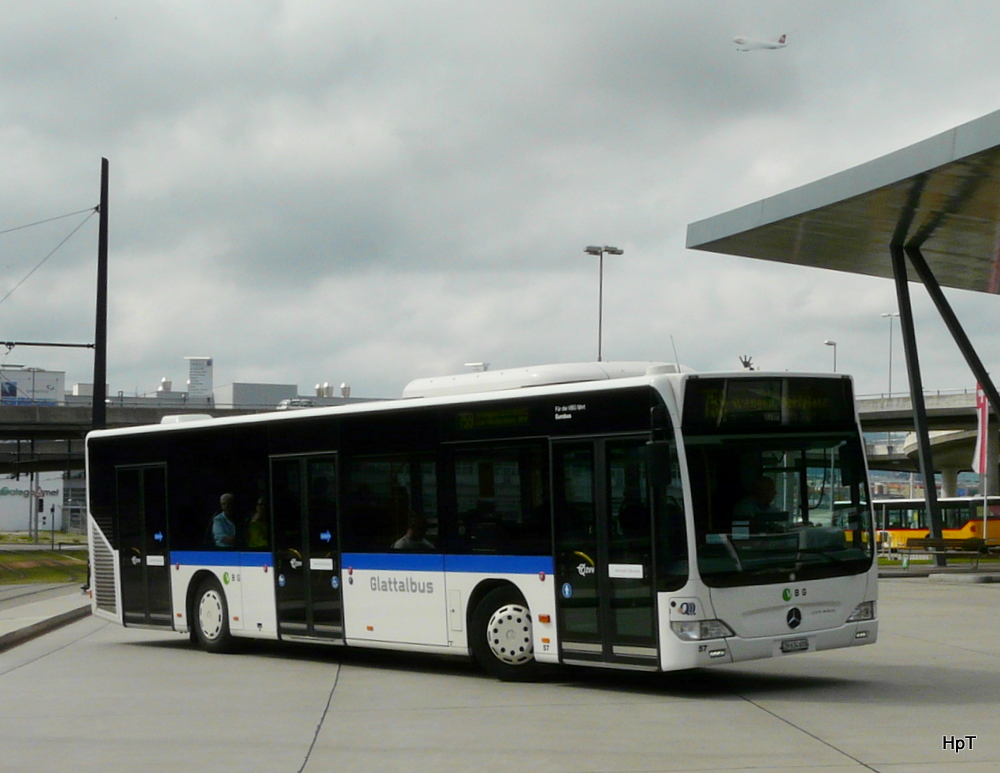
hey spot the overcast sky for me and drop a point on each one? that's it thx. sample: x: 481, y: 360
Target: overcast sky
x: 372, y: 192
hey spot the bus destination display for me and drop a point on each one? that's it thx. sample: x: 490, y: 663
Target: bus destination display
x: 723, y: 404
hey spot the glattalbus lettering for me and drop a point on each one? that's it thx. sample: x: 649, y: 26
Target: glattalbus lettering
x: 400, y: 585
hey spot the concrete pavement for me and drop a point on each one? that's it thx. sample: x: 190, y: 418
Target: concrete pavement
x: 27, y: 611
x: 93, y: 696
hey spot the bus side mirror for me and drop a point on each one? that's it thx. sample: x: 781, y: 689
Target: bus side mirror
x: 659, y: 462
x: 658, y: 418
x: 852, y: 466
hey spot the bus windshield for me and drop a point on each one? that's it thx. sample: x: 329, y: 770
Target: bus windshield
x: 763, y: 507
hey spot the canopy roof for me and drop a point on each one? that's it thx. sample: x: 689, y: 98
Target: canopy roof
x: 941, y: 195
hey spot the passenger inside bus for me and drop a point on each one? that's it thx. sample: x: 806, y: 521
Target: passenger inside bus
x: 257, y: 527
x: 415, y: 537
x: 223, y: 523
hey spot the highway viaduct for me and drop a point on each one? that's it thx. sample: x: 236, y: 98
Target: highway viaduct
x: 952, y: 421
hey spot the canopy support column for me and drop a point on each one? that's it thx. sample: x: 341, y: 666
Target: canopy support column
x: 926, y: 462
x: 961, y: 339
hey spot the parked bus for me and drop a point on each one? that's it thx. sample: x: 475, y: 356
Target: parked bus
x: 594, y: 514
x: 897, y: 520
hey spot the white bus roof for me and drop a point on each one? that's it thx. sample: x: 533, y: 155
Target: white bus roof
x: 540, y: 379
x: 536, y: 375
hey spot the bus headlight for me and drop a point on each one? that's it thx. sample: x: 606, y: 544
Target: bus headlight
x: 863, y: 611
x: 700, y: 630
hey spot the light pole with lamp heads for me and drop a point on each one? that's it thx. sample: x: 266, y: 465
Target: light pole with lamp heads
x: 600, y: 251
x: 834, y: 345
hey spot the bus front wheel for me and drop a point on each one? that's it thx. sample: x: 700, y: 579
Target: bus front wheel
x: 502, y: 640
x: 211, y: 617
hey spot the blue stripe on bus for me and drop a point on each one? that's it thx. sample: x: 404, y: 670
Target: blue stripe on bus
x: 220, y: 558
x: 402, y: 562
x: 256, y: 559
x: 493, y: 564
x: 422, y: 562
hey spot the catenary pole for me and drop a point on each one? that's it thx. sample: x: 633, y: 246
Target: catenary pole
x: 99, y: 415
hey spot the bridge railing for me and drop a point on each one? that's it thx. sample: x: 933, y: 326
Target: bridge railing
x: 905, y: 395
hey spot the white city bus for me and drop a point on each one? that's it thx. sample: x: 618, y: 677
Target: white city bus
x: 593, y: 514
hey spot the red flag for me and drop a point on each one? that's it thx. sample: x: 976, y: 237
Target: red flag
x: 983, y: 413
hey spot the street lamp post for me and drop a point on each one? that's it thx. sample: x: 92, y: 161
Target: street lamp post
x: 600, y: 251
x: 890, y: 315
x: 834, y: 345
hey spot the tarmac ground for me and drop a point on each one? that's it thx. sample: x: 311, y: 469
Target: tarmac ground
x: 27, y: 611
x: 90, y: 695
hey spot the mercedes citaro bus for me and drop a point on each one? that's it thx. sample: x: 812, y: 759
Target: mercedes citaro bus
x: 622, y: 515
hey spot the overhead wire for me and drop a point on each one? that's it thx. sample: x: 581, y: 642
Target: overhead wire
x: 92, y: 212
x: 48, y: 220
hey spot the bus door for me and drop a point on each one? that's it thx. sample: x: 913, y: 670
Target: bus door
x: 144, y: 564
x: 306, y: 546
x: 604, y: 549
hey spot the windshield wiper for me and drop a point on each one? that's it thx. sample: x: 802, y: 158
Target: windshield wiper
x: 762, y: 570
x: 821, y: 552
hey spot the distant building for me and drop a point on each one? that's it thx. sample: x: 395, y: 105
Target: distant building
x: 200, y: 384
x: 238, y: 395
x: 32, y: 386
x: 28, y: 504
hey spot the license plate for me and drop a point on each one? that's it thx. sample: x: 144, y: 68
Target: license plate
x: 794, y: 645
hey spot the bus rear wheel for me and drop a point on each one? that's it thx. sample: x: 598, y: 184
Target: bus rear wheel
x: 502, y: 639
x: 211, y: 617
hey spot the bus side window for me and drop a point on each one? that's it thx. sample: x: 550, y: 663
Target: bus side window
x: 502, y: 502
x: 384, y: 496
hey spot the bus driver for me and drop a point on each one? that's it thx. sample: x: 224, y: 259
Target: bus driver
x: 757, y: 500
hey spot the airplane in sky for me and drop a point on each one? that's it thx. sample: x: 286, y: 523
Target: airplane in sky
x: 750, y: 44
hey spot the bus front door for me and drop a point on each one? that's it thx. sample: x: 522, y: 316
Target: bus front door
x: 306, y: 547
x: 144, y: 564
x: 604, y: 565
